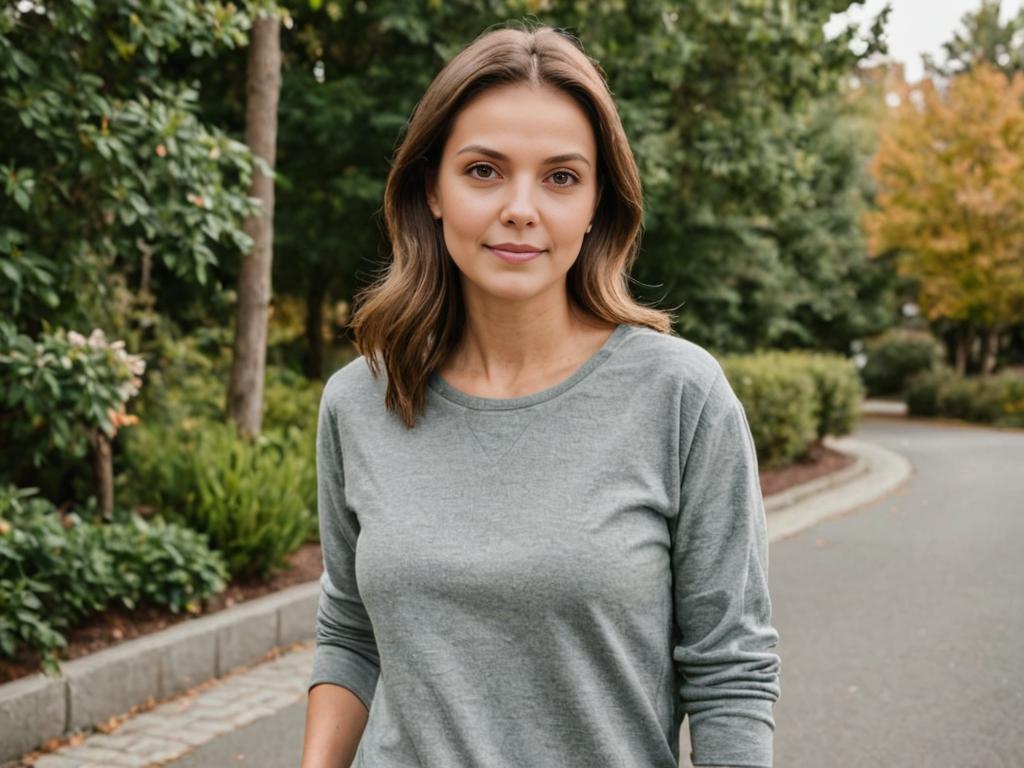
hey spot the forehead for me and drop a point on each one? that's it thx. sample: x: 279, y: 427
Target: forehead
x: 524, y: 119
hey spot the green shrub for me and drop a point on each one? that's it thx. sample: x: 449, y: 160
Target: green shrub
x: 1013, y: 401
x: 255, y: 501
x: 837, y: 386
x: 895, y: 356
x: 995, y: 400
x: 971, y: 399
x: 922, y: 391
x: 186, y: 383
x: 794, y: 398
x: 780, y: 403
x: 290, y: 399
x: 59, y: 393
x: 57, y: 569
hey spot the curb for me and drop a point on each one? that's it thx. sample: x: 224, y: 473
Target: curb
x: 789, y: 497
x: 110, y: 682
x: 880, y: 407
x: 876, y: 473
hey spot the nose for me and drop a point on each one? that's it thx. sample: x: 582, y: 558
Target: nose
x: 520, y: 209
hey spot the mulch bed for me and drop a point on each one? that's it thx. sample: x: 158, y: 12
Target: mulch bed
x: 819, y: 461
x: 118, y: 624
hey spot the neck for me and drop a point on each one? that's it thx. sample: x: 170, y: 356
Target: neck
x: 503, y: 344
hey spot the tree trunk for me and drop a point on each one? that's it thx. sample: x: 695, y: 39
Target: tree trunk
x: 102, y: 471
x: 965, y: 340
x: 147, y: 267
x: 989, y: 351
x: 316, y: 291
x: 245, y: 391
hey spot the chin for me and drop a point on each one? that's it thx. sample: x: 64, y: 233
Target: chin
x: 509, y: 288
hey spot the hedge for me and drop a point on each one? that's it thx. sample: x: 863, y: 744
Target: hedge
x: 794, y: 399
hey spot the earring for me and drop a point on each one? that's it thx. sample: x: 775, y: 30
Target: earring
x: 590, y: 227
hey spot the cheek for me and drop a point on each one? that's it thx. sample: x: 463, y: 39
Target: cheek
x: 570, y: 218
x: 469, y: 212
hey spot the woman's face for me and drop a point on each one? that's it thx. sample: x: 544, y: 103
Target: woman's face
x: 519, y: 169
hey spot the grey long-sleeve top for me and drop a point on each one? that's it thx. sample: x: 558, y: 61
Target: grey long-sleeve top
x: 553, y: 580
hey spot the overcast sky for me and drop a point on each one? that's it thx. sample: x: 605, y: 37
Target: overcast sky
x: 917, y: 26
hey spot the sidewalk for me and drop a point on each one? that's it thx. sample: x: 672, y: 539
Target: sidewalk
x: 198, y: 714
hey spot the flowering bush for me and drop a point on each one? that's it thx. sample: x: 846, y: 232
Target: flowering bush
x: 59, y: 388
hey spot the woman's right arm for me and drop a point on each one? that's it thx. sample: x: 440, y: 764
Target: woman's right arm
x: 335, y: 719
x: 346, y: 663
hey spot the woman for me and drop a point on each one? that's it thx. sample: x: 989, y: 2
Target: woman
x: 543, y: 534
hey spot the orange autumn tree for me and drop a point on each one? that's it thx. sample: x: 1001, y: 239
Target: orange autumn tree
x: 950, y: 176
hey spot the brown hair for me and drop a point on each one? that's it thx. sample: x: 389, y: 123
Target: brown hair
x: 411, y: 318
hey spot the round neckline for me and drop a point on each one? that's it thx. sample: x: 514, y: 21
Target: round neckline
x: 437, y: 383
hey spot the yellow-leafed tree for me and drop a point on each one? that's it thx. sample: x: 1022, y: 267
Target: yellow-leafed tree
x: 950, y: 176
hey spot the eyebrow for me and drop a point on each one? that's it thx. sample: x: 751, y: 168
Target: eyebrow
x: 499, y: 156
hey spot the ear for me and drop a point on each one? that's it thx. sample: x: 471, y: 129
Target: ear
x: 432, y: 199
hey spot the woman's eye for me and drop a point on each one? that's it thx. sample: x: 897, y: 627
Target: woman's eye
x: 474, y: 168
x: 563, y: 178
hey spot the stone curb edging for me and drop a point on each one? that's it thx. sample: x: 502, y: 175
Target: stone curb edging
x: 791, y: 496
x: 876, y: 473
x: 110, y: 682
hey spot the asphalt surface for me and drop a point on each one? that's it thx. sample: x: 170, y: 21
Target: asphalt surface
x: 271, y: 742
x: 900, y: 623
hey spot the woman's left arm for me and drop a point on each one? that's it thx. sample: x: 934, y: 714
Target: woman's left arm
x: 729, y: 674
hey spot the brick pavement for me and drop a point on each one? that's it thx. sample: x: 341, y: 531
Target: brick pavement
x: 177, y: 726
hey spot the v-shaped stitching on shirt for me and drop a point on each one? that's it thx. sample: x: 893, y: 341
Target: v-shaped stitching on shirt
x: 495, y: 457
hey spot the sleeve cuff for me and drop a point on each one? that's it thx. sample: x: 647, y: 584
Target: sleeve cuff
x: 732, y: 740
x: 340, y: 666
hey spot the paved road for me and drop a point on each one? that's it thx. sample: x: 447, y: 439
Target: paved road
x: 901, y: 624
x: 271, y: 742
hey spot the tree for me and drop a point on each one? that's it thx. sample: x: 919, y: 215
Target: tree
x: 724, y: 104
x: 983, y: 37
x: 749, y: 202
x: 106, y: 169
x: 950, y: 168
x: 109, y: 182
x: 245, y: 390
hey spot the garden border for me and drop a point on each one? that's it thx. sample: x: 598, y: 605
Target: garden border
x: 110, y: 682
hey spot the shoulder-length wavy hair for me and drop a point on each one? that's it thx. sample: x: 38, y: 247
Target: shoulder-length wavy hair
x: 412, y: 317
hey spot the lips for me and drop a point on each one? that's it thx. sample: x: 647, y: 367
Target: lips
x: 520, y: 256
x: 515, y: 253
x: 516, y: 247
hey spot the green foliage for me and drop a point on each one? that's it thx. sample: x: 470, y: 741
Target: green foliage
x: 105, y: 162
x: 793, y: 399
x: 753, y: 180
x: 983, y: 36
x: 997, y: 400
x: 750, y: 223
x: 895, y: 356
x: 990, y: 400
x: 255, y: 501
x: 185, y: 385
x: 58, y: 388
x: 838, y: 388
x: 922, y: 391
x: 290, y: 400
x: 780, y: 405
x: 57, y: 569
